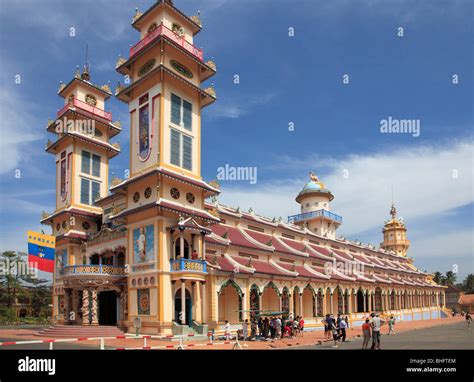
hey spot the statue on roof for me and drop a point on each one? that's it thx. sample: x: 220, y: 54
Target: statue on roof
x: 313, y: 177
x: 393, y: 211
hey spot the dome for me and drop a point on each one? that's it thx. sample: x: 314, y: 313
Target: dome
x: 314, y: 186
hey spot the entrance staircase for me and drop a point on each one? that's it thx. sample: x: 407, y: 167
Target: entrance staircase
x: 78, y: 331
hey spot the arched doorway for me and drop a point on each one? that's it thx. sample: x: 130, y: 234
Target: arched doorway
x: 177, y: 249
x: 230, y: 302
x: 270, y: 298
x: 360, y: 301
x: 309, y: 305
x: 392, y: 300
x: 188, y: 303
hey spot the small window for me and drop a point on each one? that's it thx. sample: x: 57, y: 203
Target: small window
x: 136, y: 197
x: 190, y: 198
x: 174, y: 192
x: 147, y: 192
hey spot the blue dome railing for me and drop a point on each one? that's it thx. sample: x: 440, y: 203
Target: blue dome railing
x: 313, y: 214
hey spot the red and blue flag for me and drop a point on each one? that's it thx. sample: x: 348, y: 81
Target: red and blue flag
x: 41, y: 251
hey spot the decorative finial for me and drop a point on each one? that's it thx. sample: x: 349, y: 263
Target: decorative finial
x: 77, y: 74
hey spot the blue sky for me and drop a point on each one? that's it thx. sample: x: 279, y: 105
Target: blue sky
x: 283, y: 79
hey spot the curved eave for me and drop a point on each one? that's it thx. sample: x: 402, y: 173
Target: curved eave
x: 73, y: 212
x: 196, y: 28
x: 124, y: 94
x: 106, y: 95
x: 303, y: 194
x: 109, y: 148
x: 114, y: 130
x: 206, y: 71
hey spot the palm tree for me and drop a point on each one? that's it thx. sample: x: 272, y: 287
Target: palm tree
x: 437, y: 278
x: 450, y: 278
x: 468, y: 284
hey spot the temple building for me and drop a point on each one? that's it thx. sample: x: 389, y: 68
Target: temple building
x: 159, y: 247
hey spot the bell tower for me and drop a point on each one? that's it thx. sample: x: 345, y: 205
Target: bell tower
x: 163, y: 77
x: 394, y: 234
x: 315, y: 215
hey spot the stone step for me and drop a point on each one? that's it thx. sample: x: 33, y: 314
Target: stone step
x: 77, y: 331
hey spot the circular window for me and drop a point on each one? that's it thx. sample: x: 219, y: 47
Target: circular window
x: 147, y: 192
x: 58, y: 227
x: 86, y: 225
x: 190, y: 198
x: 91, y: 100
x: 174, y: 193
x: 64, y: 224
x: 136, y: 197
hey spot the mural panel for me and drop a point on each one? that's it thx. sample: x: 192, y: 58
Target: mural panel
x: 143, y: 244
x: 143, y: 301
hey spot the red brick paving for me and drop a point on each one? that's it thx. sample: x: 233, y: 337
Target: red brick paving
x: 309, y: 338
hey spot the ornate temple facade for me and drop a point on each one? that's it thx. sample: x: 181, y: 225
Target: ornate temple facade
x: 159, y: 247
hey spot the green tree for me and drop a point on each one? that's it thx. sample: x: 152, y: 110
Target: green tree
x: 450, y: 278
x: 468, y: 284
x: 437, y: 278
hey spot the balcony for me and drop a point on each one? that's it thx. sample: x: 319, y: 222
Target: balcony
x: 187, y: 265
x: 164, y: 31
x: 315, y: 214
x: 94, y: 270
x: 86, y: 107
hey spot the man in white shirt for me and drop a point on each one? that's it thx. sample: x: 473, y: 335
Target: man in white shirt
x: 377, y: 323
x: 227, y: 330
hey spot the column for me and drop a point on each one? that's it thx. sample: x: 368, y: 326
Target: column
x: 437, y: 299
x: 349, y: 309
x: 343, y: 302
x: 194, y: 312
x: 203, y: 255
x: 365, y: 302
x: 301, y: 305
x: 67, y: 305
x: 217, y: 308
x: 95, y: 313
x: 244, y: 306
x: 325, y: 310
x: 183, y: 293
x: 85, y: 306
x: 260, y: 302
x: 315, y: 313
x: 291, y: 307
x: 204, y: 302
x: 331, y: 298
x: 444, y: 300
x: 172, y: 251
x: 370, y: 301
x: 181, y: 245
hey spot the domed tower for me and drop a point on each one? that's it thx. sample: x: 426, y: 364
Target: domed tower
x: 315, y: 214
x: 395, y: 234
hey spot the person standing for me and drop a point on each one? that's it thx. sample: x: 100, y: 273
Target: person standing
x: 245, y: 329
x: 366, y: 333
x: 260, y: 327
x: 342, y: 330
x: 329, y: 322
x: 227, y: 330
x: 278, y: 327
x: 301, y: 326
x: 468, y: 320
x: 334, y: 332
x: 391, y: 325
x: 377, y: 323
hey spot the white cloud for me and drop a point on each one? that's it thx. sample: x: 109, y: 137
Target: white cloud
x: 235, y: 107
x: 422, y: 179
x: 18, y: 128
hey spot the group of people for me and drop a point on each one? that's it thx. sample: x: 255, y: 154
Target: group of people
x: 337, y: 327
x: 268, y: 328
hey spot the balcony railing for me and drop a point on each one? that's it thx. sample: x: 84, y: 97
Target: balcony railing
x: 313, y: 214
x: 94, y: 270
x: 86, y: 107
x: 165, y: 31
x: 187, y: 265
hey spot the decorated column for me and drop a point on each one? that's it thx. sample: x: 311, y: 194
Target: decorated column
x: 204, y: 302
x: 95, y: 313
x: 183, y: 300
x: 85, y: 307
